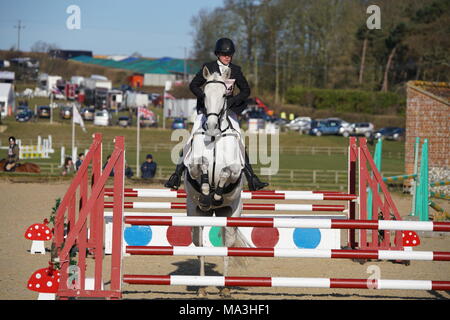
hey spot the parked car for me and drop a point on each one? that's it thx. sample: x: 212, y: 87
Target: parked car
x: 124, y: 121
x: 359, y: 129
x: 324, y: 126
x: 390, y: 133
x: 66, y: 113
x: 88, y: 114
x: 21, y: 108
x: 102, y: 118
x: 302, y: 124
x: 24, y: 115
x: 147, y: 122
x: 280, y: 122
x: 257, y: 113
x: 43, y: 112
x: 178, y: 123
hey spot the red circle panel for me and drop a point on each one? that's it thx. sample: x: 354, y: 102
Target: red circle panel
x: 265, y: 237
x: 179, y: 236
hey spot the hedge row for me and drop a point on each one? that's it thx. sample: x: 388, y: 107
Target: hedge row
x: 346, y: 100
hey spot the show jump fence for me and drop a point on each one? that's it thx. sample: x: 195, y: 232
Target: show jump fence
x: 79, y: 230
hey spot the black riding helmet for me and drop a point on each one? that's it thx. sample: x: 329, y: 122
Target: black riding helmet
x: 12, y: 138
x: 224, y: 46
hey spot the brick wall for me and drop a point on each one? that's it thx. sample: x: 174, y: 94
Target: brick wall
x: 427, y: 117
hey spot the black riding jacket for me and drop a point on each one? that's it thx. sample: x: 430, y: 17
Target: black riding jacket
x: 236, y: 103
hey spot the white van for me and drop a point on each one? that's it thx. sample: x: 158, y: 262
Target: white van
x: 102, y: 118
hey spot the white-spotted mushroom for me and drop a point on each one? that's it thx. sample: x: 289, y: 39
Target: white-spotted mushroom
x: 39, y: 232
x: 45, y: 280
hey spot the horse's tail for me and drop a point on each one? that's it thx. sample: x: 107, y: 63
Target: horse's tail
x: 36, y: 168
x: 240, y: 241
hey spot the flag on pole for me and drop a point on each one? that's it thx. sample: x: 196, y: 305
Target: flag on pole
x: 77, y: 118
x: 146, y: 113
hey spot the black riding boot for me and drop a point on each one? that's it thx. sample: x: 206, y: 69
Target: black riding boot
x: 175, y: 179
x: 254, y: 183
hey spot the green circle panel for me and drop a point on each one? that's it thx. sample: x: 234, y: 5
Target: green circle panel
x: 215, y: 236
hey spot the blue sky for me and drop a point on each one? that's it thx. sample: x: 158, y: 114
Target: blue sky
x: 154, y: 28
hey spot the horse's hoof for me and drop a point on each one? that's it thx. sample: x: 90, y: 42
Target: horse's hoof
x: 201, y: 293
x: 205, y: 201
x: 217, y: 203
x: 225, y: 293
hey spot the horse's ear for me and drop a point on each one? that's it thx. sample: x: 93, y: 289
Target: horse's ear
x: 206, y: 73
x: 226, y: 74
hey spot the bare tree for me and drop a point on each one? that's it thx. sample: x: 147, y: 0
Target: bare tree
x: 43, y: 46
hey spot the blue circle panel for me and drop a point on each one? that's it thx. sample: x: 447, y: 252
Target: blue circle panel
x: 138, y: 235
x: 307, y: 238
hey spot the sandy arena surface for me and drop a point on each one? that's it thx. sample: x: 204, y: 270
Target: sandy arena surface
x: 23, y: 204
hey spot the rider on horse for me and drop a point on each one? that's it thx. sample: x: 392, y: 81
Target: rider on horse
x: 13, y: 155
x: 224, y: 51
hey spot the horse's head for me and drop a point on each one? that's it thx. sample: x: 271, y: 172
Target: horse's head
x: 215, y: 99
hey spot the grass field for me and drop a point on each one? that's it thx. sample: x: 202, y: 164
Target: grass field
x: 297, y: 152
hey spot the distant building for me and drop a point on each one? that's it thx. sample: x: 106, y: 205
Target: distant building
x: 68, y: 54
x: 7, y: 99
x: 48, y: 82
x: 428, y: 117
x: 25, y: 62
x: 7, y: 77
x: 136, y: 80
x: 156, y: 72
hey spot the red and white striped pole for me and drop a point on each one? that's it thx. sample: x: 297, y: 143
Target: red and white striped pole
x: 220, y: 281
x: 289, y: 223
x: 245, y: 195
x: 130, y: 190
x: 289, y: 253
x: 246, y: 206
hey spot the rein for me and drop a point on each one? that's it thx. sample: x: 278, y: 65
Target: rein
x: 222, y: 111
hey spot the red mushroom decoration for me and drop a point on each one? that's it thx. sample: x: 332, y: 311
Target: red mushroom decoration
x: 410, y: 239
x: 45, y: 281
x: 38, y: 232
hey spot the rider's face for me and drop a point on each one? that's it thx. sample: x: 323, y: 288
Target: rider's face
x: 225, y: 59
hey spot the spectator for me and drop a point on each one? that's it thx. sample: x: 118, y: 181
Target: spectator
x: 128, y: 171
x: 106, y: 163
x: 79, y: 161
x: 148, y: 168
x: 68, y: 167
x: 13, y: 155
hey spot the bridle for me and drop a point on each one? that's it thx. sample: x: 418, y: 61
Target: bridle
x: 222, y: 111
x: 218, y: 115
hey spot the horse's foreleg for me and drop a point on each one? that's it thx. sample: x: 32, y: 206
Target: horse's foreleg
x: 205, y: 197
x: 218, y: 194
x: 201, y: 290
x: 235, y: 171
x: 204, y: 178
x: 228, y: 240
